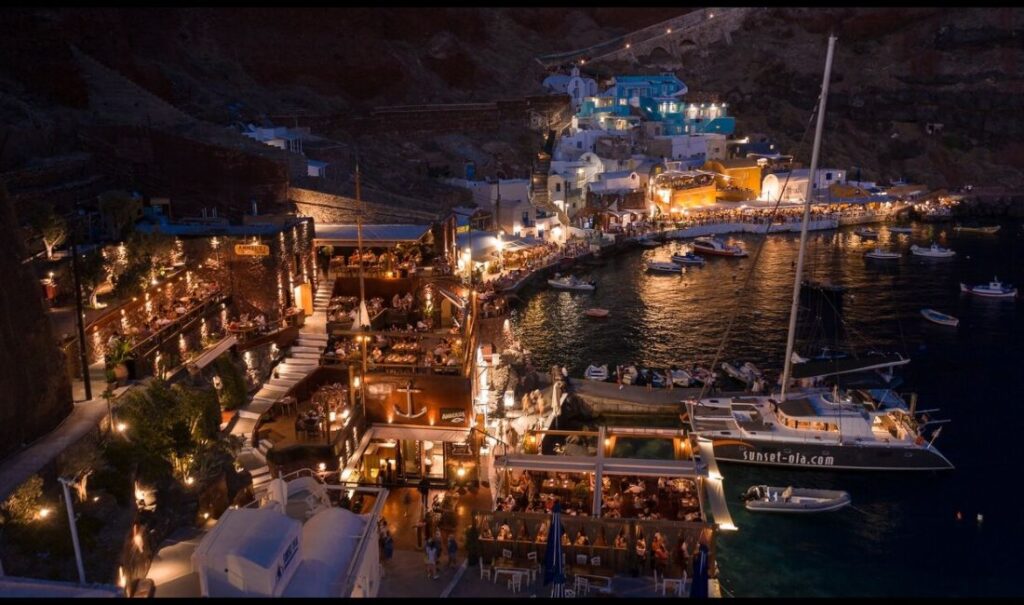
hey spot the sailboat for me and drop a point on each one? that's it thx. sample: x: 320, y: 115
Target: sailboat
x: 816, y: 427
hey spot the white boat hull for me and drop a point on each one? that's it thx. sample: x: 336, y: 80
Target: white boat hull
x: 670, y: 268
x: 939, y: 318
x: 802, y: 501
x: 988, y: 293
x: 599, y: 373
x: 930, y: 253
x: 564, y: 286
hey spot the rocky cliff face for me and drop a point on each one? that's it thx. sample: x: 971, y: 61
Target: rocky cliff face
x: 35, y: 394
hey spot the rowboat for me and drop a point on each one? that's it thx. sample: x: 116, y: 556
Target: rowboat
x: 879, y: 254
x: 688, y: 259
x: 866, y: 233
x: 661, y: 267
x: 746, y: 373
x: 933, y: 251
x: 940, y: 318
x: 597, y: 313
x: 596, y: 372
x: 993, y: 289
x: 716, y: 247
x: 763, y: 498
x: 571, y: 283
x: 990, y: 229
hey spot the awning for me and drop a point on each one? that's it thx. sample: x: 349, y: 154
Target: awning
x: 420, y: 433
x: 374, y: 236
x: 589, y: 464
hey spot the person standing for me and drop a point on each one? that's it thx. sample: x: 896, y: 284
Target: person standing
x: 453, y: 549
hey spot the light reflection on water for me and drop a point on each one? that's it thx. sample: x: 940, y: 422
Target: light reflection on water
x: 900, y: 537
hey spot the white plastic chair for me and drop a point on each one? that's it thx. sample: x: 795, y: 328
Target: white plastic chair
x: 595, y: 561
x: 582, y: 586
x: 506, y: 553
x: 515, y: 582
x: 581, y: 559
x: 486, y: 570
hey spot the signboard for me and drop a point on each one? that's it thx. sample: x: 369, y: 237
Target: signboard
x: 460, y: 449
x: 455, y: 416
x: 252, y: 250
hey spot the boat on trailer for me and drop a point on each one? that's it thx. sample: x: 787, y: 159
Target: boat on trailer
x: 940, y: 318
x: 764, y: 498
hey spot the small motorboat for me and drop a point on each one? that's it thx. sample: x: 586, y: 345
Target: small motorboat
x: 866, y: 233
x: 680, y: 378
x: 746, y: 373
x: 597, y: 313
x: 657, y: 378
x: 993, y: 289
x: 688, y: 259
x: 879, y: 254
x: 629, y: 374
x: 763, y: 498
x: 716, y: 247
x: 649, y: 243
x: 940, y: 318
x: 702, y: 375
x: 933, y: 251
x: 990, y: 229
x: 596, y: 372
x: 662, y: 267
x: 572, y: 283
x: 901, y: 230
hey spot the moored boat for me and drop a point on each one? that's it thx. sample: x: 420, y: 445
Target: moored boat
x: 597, y: 313
x: 629, y: 374
x: 716, y: 247
x: 572, y: 283
x: 901, y: 229
x: 680, y: 378
x: 879, y: 254
x: 867, y: 233
x: 993, y: 289
x: 649, y: 243
x: 596, y: 372
x: 940, y: 318
x: 663, y: 267
x: 764, y: 498
x: 933, y: 251
x: 989, y: 229
x: 688, y: 259
x: 746, y: 373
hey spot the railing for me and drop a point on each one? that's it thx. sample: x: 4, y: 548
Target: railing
x: 159, y: 337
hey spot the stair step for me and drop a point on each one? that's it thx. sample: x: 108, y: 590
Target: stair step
x: 253, y: 414
x: 314, y: 355
x: 259, y: 472
x: 304, y: 349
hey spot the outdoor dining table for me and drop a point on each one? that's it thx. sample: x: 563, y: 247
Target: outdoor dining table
x: 602, y: 573
x: 510, y: 567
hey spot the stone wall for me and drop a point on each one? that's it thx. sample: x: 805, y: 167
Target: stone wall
x: 331, y: 208
x: 35, y: 393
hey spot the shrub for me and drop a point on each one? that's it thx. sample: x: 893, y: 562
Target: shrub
x: 21, y: 506
x: 233, y: 391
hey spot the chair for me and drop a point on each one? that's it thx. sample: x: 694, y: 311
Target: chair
x: 485, y: 570
x: 569, y: 593
x: 582, y: 586
x: 506, y: 553
x: 595, y: 561
x: 658, y: 585
x: 581, y: 559
x: 515, y: 582
x: 533, y: 566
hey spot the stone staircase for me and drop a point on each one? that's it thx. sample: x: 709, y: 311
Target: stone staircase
x: 301, y: 359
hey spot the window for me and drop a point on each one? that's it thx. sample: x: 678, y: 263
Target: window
x: 828, y: 176
x: 579, y: 144
x: 558, y: 187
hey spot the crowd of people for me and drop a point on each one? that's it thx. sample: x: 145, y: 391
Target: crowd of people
x: 145, y: 320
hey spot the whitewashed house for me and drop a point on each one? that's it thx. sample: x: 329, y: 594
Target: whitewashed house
x: 793, y: 185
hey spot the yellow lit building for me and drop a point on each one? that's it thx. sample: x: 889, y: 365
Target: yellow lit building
x: 674, y: 191
x: 739, y: 179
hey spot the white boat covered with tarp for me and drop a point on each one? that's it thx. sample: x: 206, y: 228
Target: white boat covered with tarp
x: 746, y: 372
x: 764, y: 498
x: 716, y: 247
x: 596, y: 372
x: 933, y: 251
x: 680, y: 377
x: 572, y: 283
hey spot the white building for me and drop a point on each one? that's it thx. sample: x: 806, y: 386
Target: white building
x: 793, y: 185
x: 580, y: 88
x: 316, y: 168
x: 279, y: 136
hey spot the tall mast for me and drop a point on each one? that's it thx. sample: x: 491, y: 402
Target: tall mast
x: 363, y: 312
x: 791, y: 337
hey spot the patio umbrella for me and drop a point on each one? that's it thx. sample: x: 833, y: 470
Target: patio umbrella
x: 553, y: 570
x: 699, y: 589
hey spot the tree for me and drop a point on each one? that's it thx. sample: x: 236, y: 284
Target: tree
x: 233, y: 390
x: 94, y: 271
x: 120, y: 210
x: 51, y: 227
x: 22, y: 505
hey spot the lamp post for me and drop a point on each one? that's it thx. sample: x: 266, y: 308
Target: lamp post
x: 65, y: 483
x: 79, y: 313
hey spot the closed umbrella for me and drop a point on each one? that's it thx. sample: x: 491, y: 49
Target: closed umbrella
x: 699, y: 589
x: 553, y: 570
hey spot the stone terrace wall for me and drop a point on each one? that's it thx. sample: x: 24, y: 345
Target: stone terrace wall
x: 331, y: 208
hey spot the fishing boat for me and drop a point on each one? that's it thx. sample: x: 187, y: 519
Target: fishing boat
x: 993, y: 289
x: 596, y: 372
x: 901, y: 229
x: 629, y: 374
x: 688, y: 259
x: 680, y: 377
x: 572, y: 283
x: 990, y: 229
x: 879, y: 254
x: 597, y: 313
x: 811, y: 426
x: 933, y: 251
x: 867, y: 233
x: 662, y: 267
x: 649, y: 243
x: 746, y: 373
x: 764, y: 498
x: 940, y: 318
x: 716, y: 247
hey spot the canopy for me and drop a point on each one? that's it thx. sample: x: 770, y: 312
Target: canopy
x: 373, y: 235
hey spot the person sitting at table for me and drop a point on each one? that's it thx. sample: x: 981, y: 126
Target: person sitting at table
x: 505, y: 532
x: 377, y: 355
x: 565, y: 539
x: 396, y: 301
x: 582, y: 539
x: 542, y: 532
x: 485, y: 531
x: 620, y: 540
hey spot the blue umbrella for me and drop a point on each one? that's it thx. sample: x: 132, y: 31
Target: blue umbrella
x: 553, y: 571
x: 699, y: 589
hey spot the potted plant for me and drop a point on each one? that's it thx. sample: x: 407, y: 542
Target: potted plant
x: 117, y: 359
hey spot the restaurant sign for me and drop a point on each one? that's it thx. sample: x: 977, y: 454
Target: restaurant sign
x: 252, y: 250
x: 453, y: 416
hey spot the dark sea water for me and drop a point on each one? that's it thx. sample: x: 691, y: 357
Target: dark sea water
x: 901, y: 537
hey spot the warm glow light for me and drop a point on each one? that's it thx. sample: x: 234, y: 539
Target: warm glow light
x: 206, y: 515
x: 321, y: 467
x: 189, y: 480
x: 44, y: 513
x: 461, y: 472
x: 121, y: 427
x: 332, y: 416
x: 355, y: 382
